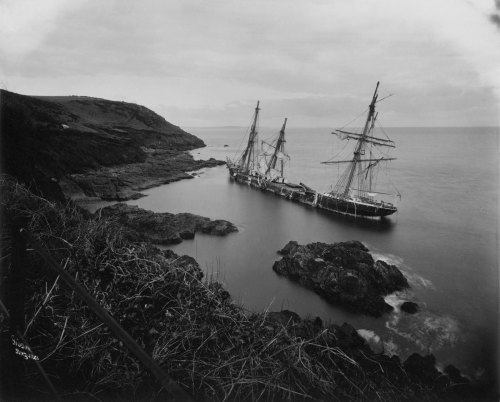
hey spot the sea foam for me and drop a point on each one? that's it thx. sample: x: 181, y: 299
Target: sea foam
x: 428, y: 331
x: 415, y: 280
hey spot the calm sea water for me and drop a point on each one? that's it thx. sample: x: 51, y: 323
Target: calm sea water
x: 444, y: 237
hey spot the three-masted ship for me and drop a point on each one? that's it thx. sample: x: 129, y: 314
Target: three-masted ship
x: 355, y: 193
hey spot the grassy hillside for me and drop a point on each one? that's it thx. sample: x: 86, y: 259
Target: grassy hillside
x: 45, y: 138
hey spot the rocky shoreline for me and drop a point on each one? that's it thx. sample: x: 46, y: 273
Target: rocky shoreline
x: 163, y: 228
x: 343, y: 273
x: 124, y: 182
x: 447, y: 384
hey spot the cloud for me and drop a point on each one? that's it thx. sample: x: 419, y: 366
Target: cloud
x: 451, y: 105
x: 495, y: 16
x: 317, y: 60
x: 25, y: 24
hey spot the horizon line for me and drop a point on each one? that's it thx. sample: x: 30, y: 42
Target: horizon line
x: 330, y: 127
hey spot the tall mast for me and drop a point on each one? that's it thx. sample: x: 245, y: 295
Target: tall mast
x: 247, y: 160
x: 280, y: 147
x: 371, y: 165
x: 361, y: 140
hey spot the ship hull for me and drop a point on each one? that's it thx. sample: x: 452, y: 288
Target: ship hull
x: 288, y: 191
x: 351, y: 207
x: 303, y: 195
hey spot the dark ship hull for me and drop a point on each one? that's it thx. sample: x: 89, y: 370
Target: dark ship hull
x: 354, y: 206
x: 302, y: 194
x: 289, y: 191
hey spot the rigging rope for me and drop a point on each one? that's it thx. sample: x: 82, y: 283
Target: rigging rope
x: 357, y: 117
x: 238, y: 150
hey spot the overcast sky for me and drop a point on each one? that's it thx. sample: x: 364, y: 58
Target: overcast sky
x: 206, y: 63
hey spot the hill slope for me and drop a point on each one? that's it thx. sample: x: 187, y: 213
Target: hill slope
x: 45, y: 140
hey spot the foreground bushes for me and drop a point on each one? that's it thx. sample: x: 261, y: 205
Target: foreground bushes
x: 213, y: 348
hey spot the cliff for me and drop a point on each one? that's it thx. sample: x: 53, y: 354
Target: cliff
x: 90, y: 147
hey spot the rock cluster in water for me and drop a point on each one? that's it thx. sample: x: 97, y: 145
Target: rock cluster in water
x: 343, y: 273
x: 164, y: 228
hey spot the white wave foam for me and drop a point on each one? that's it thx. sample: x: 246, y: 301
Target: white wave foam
x: 390, y: 348
x: 388, y: 258
x: 415, y: 280
x: 376, y: 344
x: 395, y: 300
x: 368, y: 335
x: 428, y: 331
x: 418, y: 281
x: 372, y: 339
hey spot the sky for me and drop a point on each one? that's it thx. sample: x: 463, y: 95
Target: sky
x: 206, y: 63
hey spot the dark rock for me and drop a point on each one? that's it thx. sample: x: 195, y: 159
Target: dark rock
x: 164, y: 228
x: 169, y: 254
x: 389, y: 277
x: 422, y: 368
x: 186, y: 234
x: 347, y: 336
x: 343, y: 273
x: 125, y: 181
x: 348, y: 331
x: 289, y: 248
x: 409, y: 307
x: 455, y: 376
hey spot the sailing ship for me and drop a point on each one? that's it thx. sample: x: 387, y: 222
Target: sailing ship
x: 274, y: 169
x: 246, y: 167
x: 265, y: 170
x: 354, y: 193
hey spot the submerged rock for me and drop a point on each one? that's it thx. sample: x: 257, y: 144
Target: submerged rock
x: 409, y: 307
x: 164, y: 228
x: 343, y: 273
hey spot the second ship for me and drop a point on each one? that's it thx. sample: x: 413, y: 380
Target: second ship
x: 265, y: 170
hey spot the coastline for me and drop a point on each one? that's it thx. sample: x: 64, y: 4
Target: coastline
x: 147, y: 168
x: 124, y: 182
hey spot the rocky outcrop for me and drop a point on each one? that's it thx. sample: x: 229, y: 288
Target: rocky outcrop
x: 89, y: 147
x: 448, y: 384
x: 409, y: 307
x: 164, y: 228
x: 124, y: 182
x: 343, y: 273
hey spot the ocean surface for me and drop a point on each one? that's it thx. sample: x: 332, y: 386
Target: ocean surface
x: 444, y: 237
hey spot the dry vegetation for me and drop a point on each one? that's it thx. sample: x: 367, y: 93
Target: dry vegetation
x: 213, y: 348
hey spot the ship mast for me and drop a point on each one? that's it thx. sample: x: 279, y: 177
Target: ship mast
x: 358, y: 152
x: 247, y: 160
x: 279, y: 148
